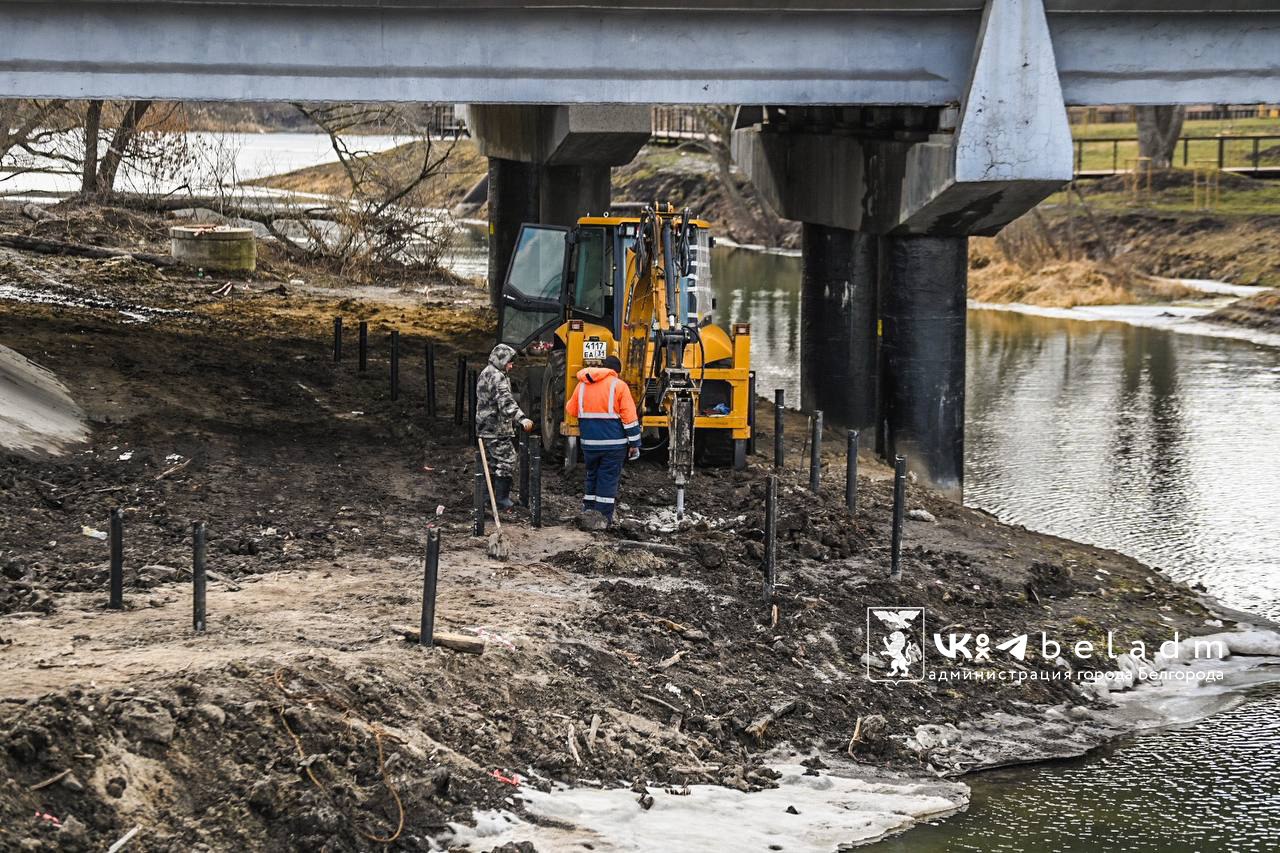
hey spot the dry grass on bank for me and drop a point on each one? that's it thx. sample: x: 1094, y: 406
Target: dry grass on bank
x: 1063, y: 284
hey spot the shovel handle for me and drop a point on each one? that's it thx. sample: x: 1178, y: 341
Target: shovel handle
x: 493, y: 501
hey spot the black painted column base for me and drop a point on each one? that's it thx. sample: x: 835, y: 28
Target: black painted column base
x: 513, y: 200
x: 922, y: 306
x: 838, y: 346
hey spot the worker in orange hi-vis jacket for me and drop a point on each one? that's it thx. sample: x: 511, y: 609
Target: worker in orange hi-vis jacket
x: 610, y: 431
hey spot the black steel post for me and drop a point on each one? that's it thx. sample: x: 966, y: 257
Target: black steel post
x: 815, y: 452
x: 337, y: 339
x: 116, y: 536
x: 478, y: 499
x: 472, y: 378
x: 770, y: 535
x: 430, y: 356
x: 460, y: 390
x: 779, y: 403
x: 198, y: 581
x: 430, y: 573
x: 899, y: 500
x: 751, y: 411
x: 364, y: 346
x: 395, y: 365
x: 851, y: 473
x: 525, y: 441
x: 535, y: 482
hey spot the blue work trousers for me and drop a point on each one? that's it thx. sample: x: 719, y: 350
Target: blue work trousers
x: 604, y: 470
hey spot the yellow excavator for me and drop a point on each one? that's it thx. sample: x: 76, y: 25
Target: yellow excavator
x: 639, y: 288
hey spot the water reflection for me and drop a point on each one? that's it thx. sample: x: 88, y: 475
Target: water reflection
x: 1156, y: 444
x: 763, y: 290
x: 1159, y: 445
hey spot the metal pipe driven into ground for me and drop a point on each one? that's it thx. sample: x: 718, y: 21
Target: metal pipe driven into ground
x: 199, y: 581
x: 770, y: 536
x: 430, y: 575
x: 460, y: 390
x: 395, y: 365
x: 899, y: 502
x: 429, y: 357
x: 478, y: 498
x: 851, y: 472
x: 362, y: 347
x: 116, y: 535
x: 535, y: 482
x: 525, y: 440
x: 815, y: 453
x: 337, y: 339
x: 779, y: 403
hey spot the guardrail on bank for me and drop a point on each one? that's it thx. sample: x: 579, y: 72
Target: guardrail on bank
x: 1257, y: 154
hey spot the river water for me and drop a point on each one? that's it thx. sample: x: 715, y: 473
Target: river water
x: 1157, y: 444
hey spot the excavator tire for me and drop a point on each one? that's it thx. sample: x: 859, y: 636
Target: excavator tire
x: 713, y: 448
x: 552, y: 409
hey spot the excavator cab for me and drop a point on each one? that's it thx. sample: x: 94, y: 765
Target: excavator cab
x: 639, y: 288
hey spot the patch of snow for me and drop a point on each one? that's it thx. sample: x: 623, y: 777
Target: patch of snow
x: 827, y: 811
x: 36, y: 411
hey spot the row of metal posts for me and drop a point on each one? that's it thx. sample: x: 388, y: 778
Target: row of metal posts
x: 465, y: 403
x: 815, y: 479
x: 199, y: 578
x: 199, y: 584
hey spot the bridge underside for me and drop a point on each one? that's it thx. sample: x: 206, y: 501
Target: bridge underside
x: 747, y: 51
x: 893, y: 129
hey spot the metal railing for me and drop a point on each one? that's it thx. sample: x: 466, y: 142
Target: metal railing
x: 1242, y: 154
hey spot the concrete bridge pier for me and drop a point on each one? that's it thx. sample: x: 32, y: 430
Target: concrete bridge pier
x: 550, y: 165
x: 513, y: 200
x: 838, y: 345
x: 922, y: 355
x: 921, y: 180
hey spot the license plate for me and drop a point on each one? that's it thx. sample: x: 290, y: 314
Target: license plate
x: 594, y: 350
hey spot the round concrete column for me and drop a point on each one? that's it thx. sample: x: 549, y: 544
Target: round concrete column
x: 513, y: 200
x: 838, y: 358
x: 922, y: 306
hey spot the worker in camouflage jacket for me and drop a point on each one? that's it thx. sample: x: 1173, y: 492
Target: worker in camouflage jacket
x: 497, y: 412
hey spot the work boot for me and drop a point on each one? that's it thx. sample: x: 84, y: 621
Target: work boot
x: 502, y: 492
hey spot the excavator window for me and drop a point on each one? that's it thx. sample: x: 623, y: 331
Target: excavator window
x: 533, y: 293
x: 592, y: 273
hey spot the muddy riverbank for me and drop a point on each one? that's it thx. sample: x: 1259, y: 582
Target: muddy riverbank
x: 302, y: 719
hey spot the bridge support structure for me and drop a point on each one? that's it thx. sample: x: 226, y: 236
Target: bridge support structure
x: 888, y: 197
x: 549, y: 164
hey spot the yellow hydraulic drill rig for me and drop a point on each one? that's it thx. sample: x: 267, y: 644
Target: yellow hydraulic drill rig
x: 639, y: 288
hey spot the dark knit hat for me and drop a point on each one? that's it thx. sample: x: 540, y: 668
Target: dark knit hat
x: 613, y: 364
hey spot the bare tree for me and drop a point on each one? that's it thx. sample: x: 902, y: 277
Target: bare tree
x: 1159, y: 128
x: 27, y: 128
x: 378, y: 222
x: 123, y: 142
x: 716, y: 123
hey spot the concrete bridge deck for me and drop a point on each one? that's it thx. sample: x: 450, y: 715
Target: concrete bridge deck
x: 636, y: 51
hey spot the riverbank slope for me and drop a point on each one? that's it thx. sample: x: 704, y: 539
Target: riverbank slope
x: 302, y: 718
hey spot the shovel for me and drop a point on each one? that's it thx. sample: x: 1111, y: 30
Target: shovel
x: 499, y: 546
